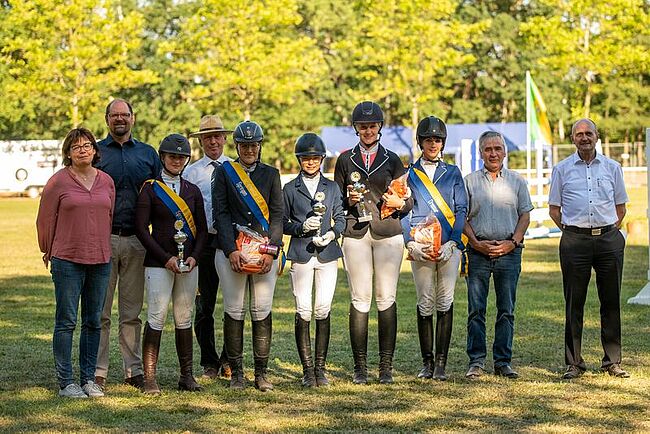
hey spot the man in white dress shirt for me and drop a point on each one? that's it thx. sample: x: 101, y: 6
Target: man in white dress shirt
x: 587, y: 202
x: 212, y: 135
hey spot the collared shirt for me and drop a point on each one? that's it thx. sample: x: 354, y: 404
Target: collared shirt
x: 311, y: 183
x: 199, y: 173
x: 495, y: 205
x: 368, y: 155
x: 429, y: 167
x: 587, y: 193
x: 130, y: 165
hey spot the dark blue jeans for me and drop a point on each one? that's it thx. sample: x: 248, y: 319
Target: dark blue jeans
x: 73, y: 282
x: 505, y: 271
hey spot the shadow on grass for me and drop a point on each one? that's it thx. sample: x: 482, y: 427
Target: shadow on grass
x: 539, y: 401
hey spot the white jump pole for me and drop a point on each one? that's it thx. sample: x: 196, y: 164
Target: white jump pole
x: 643, y: 297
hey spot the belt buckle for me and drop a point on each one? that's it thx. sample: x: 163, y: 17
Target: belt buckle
x: 596, y: 231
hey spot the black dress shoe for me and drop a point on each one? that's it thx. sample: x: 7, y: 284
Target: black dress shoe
x: 615, y: 370
x: 572, y: 372
x: 136, y: 381
x: 506, y: 371
x: 474, y: 372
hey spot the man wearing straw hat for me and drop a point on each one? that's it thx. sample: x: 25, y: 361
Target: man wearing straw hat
x: 212, y: 136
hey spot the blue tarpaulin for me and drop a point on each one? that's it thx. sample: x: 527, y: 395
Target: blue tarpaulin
x: 398, y: 139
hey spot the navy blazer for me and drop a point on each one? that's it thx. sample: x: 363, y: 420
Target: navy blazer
x: 297, y: 209
x: 159, y: 243
x: 386, y: 167
x: 449, y: 181
x: 228, y: 208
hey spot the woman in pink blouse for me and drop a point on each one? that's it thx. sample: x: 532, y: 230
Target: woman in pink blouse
x: 74, y: 233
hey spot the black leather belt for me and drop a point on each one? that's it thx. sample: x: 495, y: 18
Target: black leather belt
x: 122, y: 232
x: 589, y: 231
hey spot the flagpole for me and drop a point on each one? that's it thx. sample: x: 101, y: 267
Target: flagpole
x: 528, y: 116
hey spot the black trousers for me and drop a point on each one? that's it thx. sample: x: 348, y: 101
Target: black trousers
x: 205, y: 301
x: 580, y: 253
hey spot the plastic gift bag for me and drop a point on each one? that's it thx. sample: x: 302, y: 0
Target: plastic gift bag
x: 249, y: 243
x: 428, y: 232
x: 400, y: 187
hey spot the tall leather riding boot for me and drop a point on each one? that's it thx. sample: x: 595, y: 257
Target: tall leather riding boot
x: 150, y: 350
x: 303, y: 343
x: 262, y: 331
x: 322, y: 344
x: 443, y: 337
x: 185, y: 358
x: 387, y: 321
x: 233, y: 336
x: 425, y: 332
x: 359, y: 342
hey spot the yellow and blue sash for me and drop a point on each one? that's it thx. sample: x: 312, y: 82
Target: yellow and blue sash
x: 176, y: 205
x: 251, y: 197
x: 440, y: 208
x: 248, y: 192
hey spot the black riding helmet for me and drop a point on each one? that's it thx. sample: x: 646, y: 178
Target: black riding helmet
x: 368, y: 111
x: 310, y: 144
x: 175, y: 144
x: 431, y: 126
x: 248, y: 132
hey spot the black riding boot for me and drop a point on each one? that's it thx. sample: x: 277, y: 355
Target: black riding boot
x: 359, y: 342
x: 150, y: 350
x: 322, y: 343
x: 425, y: 332
x: 303, y: 343
x: 387, y: 322
x: 443, y: 337
x: 261, y: 348
x: 233, y: 336
x: 185, y: 358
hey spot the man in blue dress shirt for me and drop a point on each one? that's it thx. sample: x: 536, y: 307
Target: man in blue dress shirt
x: 587, y: 202
x: 129, y: 162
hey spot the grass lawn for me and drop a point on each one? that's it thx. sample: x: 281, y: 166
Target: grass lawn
x: 536, y: 402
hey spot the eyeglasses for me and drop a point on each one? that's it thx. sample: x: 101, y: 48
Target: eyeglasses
x: 119, y: 115
x: 85, y: 146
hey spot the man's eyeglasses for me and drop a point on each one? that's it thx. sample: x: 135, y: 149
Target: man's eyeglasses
x: 119, y: 115
x: 85, y: 146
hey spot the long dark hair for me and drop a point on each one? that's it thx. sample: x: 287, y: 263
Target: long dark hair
x: 73, y: 137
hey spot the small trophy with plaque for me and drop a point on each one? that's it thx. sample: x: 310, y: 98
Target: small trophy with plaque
x: 180, y: 237
x: 319, y: 208
x: 359, y: 187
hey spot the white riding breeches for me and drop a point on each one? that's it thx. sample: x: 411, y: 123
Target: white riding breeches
x: 320, y: 275
x: 234, y: 285
x: 367, y: 257
x: 435, y: 283
x: 163, y: 286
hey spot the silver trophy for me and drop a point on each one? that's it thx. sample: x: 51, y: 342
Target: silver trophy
x: 180, y: 237
x: 319, y: 208
x: 359, y: 187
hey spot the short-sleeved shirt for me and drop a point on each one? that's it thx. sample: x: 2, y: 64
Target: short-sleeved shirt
x: 587, y: 193
x: 495, y: 205
x: 130, y: 165
x: 199, y: 173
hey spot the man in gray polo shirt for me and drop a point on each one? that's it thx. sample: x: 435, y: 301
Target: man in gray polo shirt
x: 499, y: 214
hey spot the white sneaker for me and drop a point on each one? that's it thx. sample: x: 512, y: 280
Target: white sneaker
x: 92, y: 389
x: 72, y: 391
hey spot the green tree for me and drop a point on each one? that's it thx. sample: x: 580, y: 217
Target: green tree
x: 63, y: 59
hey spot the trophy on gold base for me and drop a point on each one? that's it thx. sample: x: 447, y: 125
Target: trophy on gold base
x: 180, y: 237
x: 319, y: 208
x: 359, y: 187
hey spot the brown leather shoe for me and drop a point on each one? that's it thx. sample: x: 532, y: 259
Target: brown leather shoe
x: 100, y: 381
x: 615, y: 370
x: 572, y: 372
x: 474, y: 372
x: 506, y: 371
x: 136, y: 381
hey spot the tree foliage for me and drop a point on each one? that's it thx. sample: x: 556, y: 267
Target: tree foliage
x: 298, y: 65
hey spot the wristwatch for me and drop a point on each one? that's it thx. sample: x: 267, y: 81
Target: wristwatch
x: 517, y: 243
